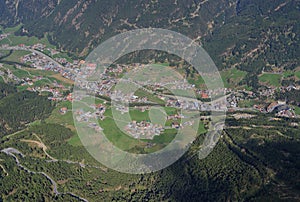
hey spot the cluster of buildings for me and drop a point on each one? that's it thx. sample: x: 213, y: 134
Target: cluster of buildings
x: 195, y: 105
x: 104, y: 86
x: 90, y: 117
x: 180, y: 85
x: 235, y: 97
x: 280, y: 108
x: 144, y: 129
x: 98, y: 112
x: 286, y: 112
x: 117, y: 70
x: 39, y: 62
x: 27, y: 81
x: 118, y: 95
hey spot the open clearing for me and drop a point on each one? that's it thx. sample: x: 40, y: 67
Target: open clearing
x: 270, y: 79
x: 14, y: 40
x: 62, y: 79
x: 231, y: 77
x: 297, y: 74
x: 16, y: 55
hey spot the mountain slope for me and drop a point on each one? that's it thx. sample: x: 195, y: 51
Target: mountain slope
x: 22, y: 11
x: 80, y: 25
x: 252, y: 35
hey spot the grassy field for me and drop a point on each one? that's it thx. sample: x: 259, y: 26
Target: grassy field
x: 270, y: 79
x: 116, y: 136
x: 63, y: 80
x: 201, y: 129
x: 297, y: 74
x: 247, y: 103
x: 37, y: 72
x: 231, y: 77
x: 11, y: 29
x: 20, y: 73
x: 52, y: 76
x: 28, y: 41
x: 13, y: 40
x: 137, y: 115
x: 297, y: 110
x: 91, y: 100
x: 166, y: 64
x: 75, y: 140
x: 4, y: 52
x: 16, y: 56
x: 198, y: 81
x: 149, y: 96
x: 288, y: 73
x: 22, y: 88
x: 124, y: 141
x: 65, y: 119
x: 171, y: 110
x: 166, y: 137
x: 42, y: 82
x: 63, y: 55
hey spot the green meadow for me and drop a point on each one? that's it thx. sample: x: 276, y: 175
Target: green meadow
x: 11, y: 29
x: 16, y: 55
x: 297, y: 110
x: 14, y: 40
x: 116, y: 136
x: 152, y: 98
x: 138, y: 115
x: 231, y: 77
x: 64, y: 119
x: 288, y: 73
x: 270, y: 79
x: 297, y: 74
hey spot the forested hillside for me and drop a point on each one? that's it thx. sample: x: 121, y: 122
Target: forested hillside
x: 246, y: 165
x: 251, y: 35
x: 19, y: 108
x: 22, y: 11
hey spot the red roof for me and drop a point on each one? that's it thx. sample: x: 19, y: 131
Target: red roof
x: 204, y: 95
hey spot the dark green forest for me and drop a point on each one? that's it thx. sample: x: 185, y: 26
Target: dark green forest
x: 251, y: 164
x: 20, y: 108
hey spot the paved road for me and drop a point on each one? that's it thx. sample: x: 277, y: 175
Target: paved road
x: 12, y: 151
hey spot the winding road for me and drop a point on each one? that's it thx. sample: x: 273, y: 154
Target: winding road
x: 12, y: 151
